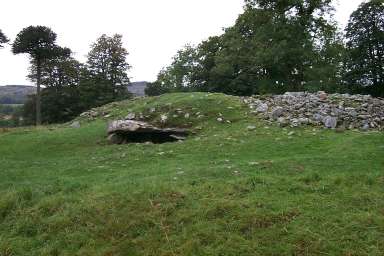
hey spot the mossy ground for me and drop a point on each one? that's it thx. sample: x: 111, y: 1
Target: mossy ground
x: 224, y: 191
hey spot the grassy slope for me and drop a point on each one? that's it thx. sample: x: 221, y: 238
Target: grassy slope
x: 225, y: 191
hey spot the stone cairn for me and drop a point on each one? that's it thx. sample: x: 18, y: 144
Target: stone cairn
x: 341, y: 111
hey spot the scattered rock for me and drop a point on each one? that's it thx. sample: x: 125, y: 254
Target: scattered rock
x: 262, y: 108
x: 282, y: 121
x: 130, y: 116
x: 220, y: 119
x: 90, y: 114
x: 163, y: 118
x: 365, y: 127
x: 251, y: 128
x: 277, y: 112
x: 323, y: 96
x: 330, y: 122
x: 320, y: 109
x: 75, y: 124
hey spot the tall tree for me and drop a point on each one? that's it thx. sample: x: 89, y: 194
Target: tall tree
x: 179, y: 76
x: 365, y: 48
x: 281, y: 45
x: 40, y: 43
x: 3, y: 39
x: 61, y: 76
x: 107, y: 63
x: 58, y: 71
x: 274, y: 46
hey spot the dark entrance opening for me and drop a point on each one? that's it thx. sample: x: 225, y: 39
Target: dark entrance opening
x: 157, y: 137
x: 131, y: 131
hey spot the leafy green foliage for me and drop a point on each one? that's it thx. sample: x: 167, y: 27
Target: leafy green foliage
x: 178, y: 76
x: 72, y: 87
x: 10, y: 115
x: 3, y: 39
x: 275, y: 46
x: 59, y: 104
x: 40, y: 43
x: 107, y: 62
x: 224, y: 191
x: 105, y: 78
x: 365, y: 48
x: 60, y: 70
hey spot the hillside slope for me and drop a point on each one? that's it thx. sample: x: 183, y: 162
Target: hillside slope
x: 15, y: 94
x: 236, y: 187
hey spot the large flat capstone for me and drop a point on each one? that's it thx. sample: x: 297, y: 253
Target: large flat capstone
x: 132, y: 131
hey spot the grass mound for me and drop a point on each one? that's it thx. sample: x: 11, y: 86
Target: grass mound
x: 177, y: 109
x: 228, y: 190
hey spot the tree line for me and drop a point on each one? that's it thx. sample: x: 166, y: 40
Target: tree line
x: 277, y: 46
x: 66, y: 87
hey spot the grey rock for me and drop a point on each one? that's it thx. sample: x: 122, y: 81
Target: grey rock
x: 121, y: 131
x: 114, y: 138
x: 282, y: 121
x: 330, y: 122
x: 130, y: 116
x: 75, y: 125
x: 295, y: 122
x: 262, y: 108
x: 304, y: 121
x: 365, y: 127
x: 277, y: 112
x: 163, y: 118
x: 318, y: 117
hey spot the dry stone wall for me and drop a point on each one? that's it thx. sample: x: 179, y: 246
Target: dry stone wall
x: 342, y: 111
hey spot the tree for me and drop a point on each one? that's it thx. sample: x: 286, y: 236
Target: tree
x: 3, y: 39
x: 40, y: 43
x: 277, y: 46
x: 107, y: 65
x: 58, y: 71
x: 274, y: 46
x: 179, y: 75
x: 365, y: 48
x: 61, y: 76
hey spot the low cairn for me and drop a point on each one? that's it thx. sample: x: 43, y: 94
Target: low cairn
x: 341, y: 111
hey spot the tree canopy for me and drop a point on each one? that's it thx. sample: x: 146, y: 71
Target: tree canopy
x: 274, y: 46
x: 365, y: 48
x: 40, y: 43
x: 107, y: 60
x: 3, y: 39
x: 37, y: 41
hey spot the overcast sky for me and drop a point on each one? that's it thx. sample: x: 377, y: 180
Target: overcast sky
x: 153, y: 30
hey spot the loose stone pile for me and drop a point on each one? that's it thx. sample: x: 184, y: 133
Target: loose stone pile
x: 342, y: 111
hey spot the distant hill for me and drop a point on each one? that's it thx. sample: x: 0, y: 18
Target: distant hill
x: 15, y: 94
x: 138, y: 88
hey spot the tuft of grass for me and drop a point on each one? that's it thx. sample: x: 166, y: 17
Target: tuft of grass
x: 224, y: 191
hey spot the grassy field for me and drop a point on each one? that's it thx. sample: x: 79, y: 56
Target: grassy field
x: 224, y: 191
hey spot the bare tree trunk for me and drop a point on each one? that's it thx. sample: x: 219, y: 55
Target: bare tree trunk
x: 38, y: 94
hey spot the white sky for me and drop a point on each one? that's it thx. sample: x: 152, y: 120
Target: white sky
x: 153, y: 30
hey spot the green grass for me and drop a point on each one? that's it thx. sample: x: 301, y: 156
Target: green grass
x: 224, y: 191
